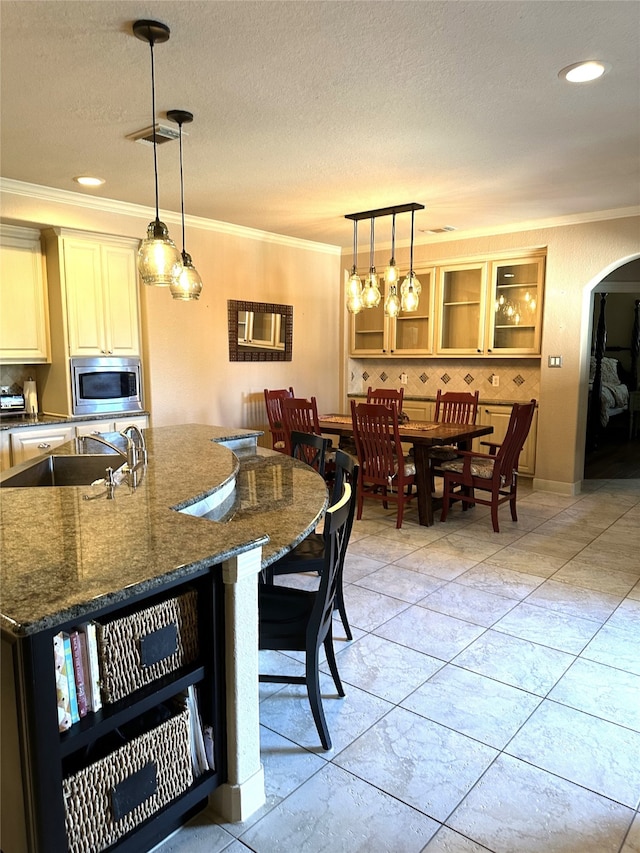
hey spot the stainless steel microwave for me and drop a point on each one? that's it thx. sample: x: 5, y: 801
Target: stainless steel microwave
x: 106, y: 385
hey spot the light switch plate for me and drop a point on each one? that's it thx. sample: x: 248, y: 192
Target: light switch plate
x: 555, y: 361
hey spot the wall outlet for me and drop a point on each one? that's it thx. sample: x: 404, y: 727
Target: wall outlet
x: 495, y: 381
x: 403, y: 378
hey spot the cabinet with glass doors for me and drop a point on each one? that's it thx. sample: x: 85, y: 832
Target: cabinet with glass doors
x: 410, y: 333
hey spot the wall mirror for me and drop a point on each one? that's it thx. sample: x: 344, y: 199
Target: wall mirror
x: 260, y: 331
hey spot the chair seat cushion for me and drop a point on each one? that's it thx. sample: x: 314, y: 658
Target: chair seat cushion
x: 480, y: 467
x: 278, y: 445
x: 443, y: 452
x: 307, y: 556
x: 409, y: 468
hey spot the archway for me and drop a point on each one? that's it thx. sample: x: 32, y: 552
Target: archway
x: 612, y: 450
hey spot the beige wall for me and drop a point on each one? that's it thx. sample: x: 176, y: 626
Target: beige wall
x: 189, y: 376
x: 578, y: 257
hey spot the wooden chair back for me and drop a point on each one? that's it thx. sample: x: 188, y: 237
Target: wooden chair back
x: 310, y: 449
x: 273, y: 401
x: 299, y: 415
x: 456, y: 407
x: 386, y: 397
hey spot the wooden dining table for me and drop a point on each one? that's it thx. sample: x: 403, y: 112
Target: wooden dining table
x: 423, y: 435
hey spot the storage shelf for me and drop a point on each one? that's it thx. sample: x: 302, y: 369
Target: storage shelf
x: 514, y: 327
x: 532, y: 284
x: 369, y: 331
x: 414, y: 317
x: 100, y: 723
x: 454, y: 304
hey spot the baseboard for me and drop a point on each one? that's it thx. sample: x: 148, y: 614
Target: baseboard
x: 557, y: 487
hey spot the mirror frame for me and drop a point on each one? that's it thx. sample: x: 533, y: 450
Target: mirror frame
x: 234, y: 306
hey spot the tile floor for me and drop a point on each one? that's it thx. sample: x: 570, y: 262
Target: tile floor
x: 493, y: 692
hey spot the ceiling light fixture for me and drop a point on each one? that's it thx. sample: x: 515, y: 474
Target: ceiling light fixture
x: 159, y: 261
x: 88, y: 181
x: 189, y: 284
x: 354, y: 284
x: 411, y: 287
x: 369, y: 296
x: 392, y: 274
x: 584, y: 72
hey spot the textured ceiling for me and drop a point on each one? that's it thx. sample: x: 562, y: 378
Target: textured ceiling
x: 306, y: 111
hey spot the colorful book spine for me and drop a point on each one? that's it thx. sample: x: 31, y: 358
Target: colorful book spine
x: 92, y: 681
x: 78, y: 670
x: 71, y: 680
x: 62, y: 684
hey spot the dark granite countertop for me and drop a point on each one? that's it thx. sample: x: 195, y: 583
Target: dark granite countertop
x: 7, y: 422
x: 63, y: 556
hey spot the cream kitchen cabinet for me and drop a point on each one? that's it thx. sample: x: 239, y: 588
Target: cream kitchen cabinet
x: 117, y: 425
x: 34, y: 441
x: 498, y: 416
x: 95, y: 287
x: 410, y: 333
x: 491, y: 308
x: 24, y: 311
x: 5, y: 450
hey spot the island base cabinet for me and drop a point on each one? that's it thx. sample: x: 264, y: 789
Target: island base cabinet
x: 121, y: 778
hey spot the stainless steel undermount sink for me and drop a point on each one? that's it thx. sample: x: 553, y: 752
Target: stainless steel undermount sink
x: 61, y: 470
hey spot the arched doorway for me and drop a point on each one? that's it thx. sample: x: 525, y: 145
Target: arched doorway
x: 612, y: 447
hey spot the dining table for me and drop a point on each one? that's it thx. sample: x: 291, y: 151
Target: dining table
x: 422, y: 435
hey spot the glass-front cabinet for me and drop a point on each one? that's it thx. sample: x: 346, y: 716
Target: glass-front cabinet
x: 516, y: 305
x: 491, y: 308
x: 410, y: 333
x: 462, y: 299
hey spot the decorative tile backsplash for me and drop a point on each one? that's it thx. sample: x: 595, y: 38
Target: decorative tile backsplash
x: 518, y: 379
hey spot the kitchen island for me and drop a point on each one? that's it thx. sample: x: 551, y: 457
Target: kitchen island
x: 203, y: 517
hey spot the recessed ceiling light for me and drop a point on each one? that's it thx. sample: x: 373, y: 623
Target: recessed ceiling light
x: 584, y: 72
x: 88, y: 181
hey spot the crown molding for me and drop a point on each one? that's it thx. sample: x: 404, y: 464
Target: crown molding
x: 123, y: 208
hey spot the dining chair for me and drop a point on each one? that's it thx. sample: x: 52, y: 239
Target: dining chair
x: 301, y: 620
x: 452, y: 407
x: 299, y: 415
x: 386, y: 397
x: 385, y: 473
x: 311, y: 449
x: 273, y: 400
x: 495, y: 472
x: 309, y: 555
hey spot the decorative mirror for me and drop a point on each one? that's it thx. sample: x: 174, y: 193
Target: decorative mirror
x: 260, y: 331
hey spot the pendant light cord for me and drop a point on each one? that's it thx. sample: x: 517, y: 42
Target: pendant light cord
x: 153, y: 119
x: 182, y: 193
x: 393, y: 237
x: 411, y: 249
x: 355, y: 245
x: 371, y: 264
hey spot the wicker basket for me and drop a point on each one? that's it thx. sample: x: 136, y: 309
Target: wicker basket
x: 136, y: 650
x: 115, y: 794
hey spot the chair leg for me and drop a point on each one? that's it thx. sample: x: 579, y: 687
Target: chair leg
x: 494, y: 517
x: 445, y: 501
x: 400, y: 513
x: 342, y: 610
x: 512, y: 501
x: 333, y: 666
x: 315, y: 699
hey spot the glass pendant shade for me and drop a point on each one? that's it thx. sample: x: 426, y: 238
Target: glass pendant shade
x: 159, y: 261
x: 392, y: 303
x: 410, y: 292
x: 392, y: 273
x: 189, y: 284
x: 371, y: 295
x: 354, y: 292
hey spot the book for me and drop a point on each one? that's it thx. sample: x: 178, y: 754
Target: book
x: 71, y: 679
x: 62, y: 683
x: 82, y: 637
x: 92, y: 679
x: 78, y: 671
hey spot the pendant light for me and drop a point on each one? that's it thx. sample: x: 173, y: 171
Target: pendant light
x: 189, y: 284
x: 159, y: 261
x: 392, y: 302
x: 392, y: 273
x: 354, y: 284
x: 371, y: 295
x: 411, y: 287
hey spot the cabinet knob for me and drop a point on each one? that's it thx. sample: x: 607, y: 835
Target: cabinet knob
x: 489, y: 350
x: 44, y: 446
x: 478, y: 350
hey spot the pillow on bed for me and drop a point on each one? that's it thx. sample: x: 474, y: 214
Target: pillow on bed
x: 609, y: 371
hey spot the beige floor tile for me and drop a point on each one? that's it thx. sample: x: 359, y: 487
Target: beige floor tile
x: 468, y: 603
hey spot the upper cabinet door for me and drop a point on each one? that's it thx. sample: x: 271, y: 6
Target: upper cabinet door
x: 100, y: 283
x: 369, y: 331
x: 515, y: 309
x: 85, y: 310
x: 24, y: 311
x: 461, y: 303
x: 412, y: 332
